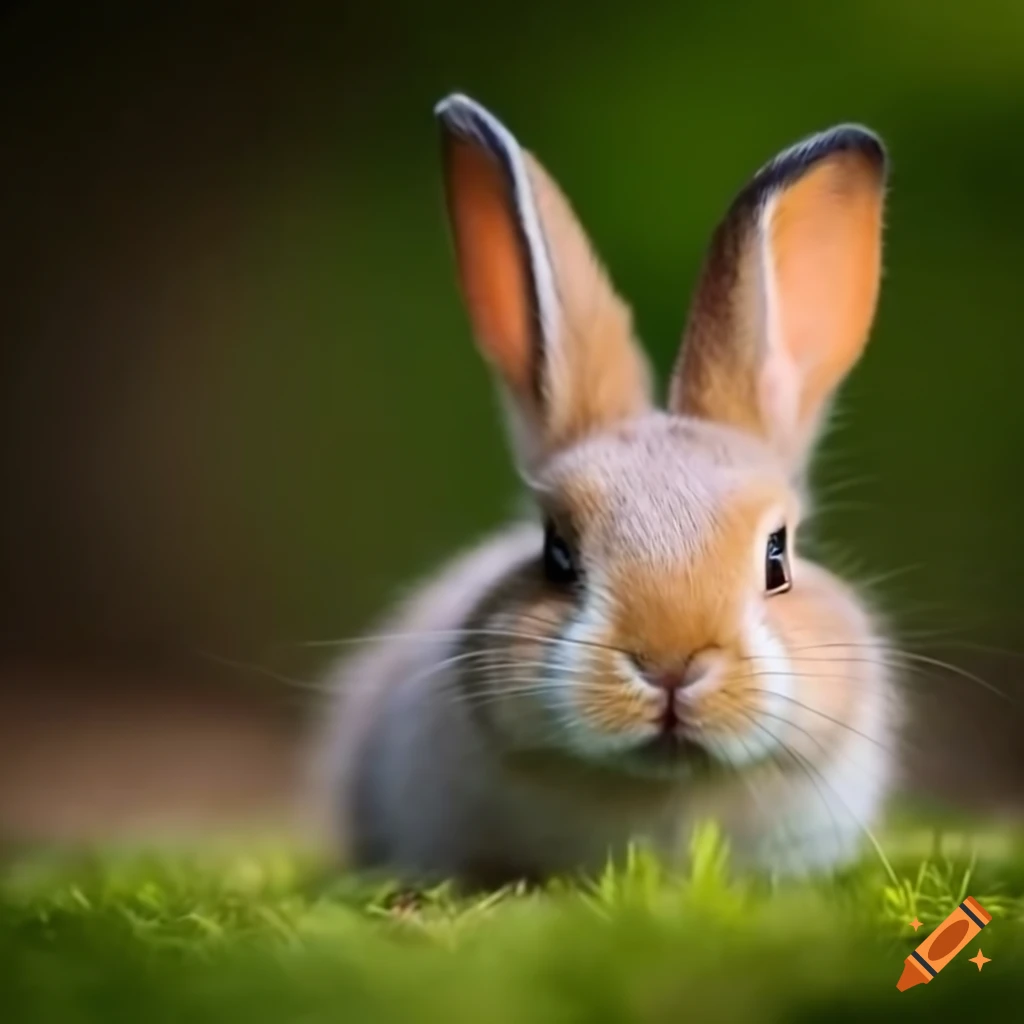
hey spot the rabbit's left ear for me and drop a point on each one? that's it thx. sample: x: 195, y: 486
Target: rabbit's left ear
x: 786, y: 300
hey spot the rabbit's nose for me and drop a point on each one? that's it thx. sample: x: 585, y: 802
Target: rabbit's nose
x: 677, y: 675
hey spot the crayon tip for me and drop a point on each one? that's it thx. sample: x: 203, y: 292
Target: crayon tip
x: 912, y: 975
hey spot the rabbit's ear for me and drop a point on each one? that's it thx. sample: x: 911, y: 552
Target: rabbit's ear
x: 542, y: 308
x: 788, y: 292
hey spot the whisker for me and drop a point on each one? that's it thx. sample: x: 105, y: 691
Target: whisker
x: 788, y: 673
x: 923, y: 659
x: 469, y: 632
x: 308, y: 686
x: 895, y: 659
x: 826, y: 508
x: 746, y: 780
x: 345, y: 684
x: 597, y: 644
x: 792, y: 756
x: 810, y: 768
x: 793, y: 725
x: 426, y: 635
x: 869, y: 582
x: 481, y: 700
x: 1004, y: 652
x: 821, y: 714
x: 846, y: 484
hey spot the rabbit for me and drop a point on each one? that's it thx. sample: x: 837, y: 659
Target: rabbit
x: 648, y: 649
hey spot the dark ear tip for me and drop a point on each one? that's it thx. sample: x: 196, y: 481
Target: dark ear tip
x: 464, y: 117
x: 858, y: 138
x: 791, y: 164
x: 453, y: 108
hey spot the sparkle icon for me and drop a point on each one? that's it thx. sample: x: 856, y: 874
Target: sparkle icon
x: 915, y: 924
x: 981, y: 959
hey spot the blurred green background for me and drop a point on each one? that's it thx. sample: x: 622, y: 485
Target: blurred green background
x: 240, y: 405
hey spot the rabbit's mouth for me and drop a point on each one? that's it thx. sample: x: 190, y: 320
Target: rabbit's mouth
x: 670, y: 747
x: 669, y: 720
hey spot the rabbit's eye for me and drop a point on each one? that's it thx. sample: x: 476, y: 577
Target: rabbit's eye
x: 559, y: 562
x: 776, y: 564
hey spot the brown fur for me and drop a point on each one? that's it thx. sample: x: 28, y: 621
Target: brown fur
x: 602, y: 377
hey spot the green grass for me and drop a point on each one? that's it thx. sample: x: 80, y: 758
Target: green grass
x: 269, y: 936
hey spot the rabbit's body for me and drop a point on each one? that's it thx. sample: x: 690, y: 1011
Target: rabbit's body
x: 653, y: 654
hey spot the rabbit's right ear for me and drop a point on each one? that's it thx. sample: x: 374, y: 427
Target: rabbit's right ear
x: 543, y: 311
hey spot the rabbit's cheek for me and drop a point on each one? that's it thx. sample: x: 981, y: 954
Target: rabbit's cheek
x: 604, y: 706
x: 743, y: 719
x: 612, y: 704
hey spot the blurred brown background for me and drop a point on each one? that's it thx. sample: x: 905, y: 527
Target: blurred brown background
x: 240, y: 406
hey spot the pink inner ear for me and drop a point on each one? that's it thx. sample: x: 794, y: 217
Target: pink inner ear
x: 825, y: 248
x: 490, y: 260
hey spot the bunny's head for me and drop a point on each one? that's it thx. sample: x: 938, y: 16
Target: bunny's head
x: 666, y: 619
